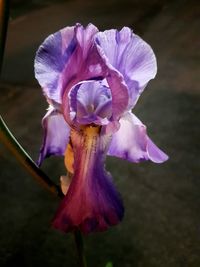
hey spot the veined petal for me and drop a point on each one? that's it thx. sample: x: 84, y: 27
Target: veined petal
x: 51, y: 59
x: 70, y: 56
x: 90, y: 102
x: 92, y: 203
x: 62, y: 59
x: 117, y: 85
x: 91, y: 64
x: 131, y: 56
x: 132, y: 143
x: 56, y: 135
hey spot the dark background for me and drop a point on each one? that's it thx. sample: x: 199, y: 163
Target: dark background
x: 161, y: 227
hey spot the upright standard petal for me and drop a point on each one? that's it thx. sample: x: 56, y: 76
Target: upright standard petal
x: 56, y: 135
x: 117, y: 85
x: 63, y: 60
x: 131, y: 56
x: 52, y: 58
x: 70, y: 56
x: 92, y: 203
x: 92, y: 65
x: 90, y: 102
x: 132, y: 143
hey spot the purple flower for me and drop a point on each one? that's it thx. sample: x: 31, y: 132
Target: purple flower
x: 92, y: 80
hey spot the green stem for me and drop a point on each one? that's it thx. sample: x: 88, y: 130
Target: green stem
x: 80, y: 248
x: 11, y: 143
x: 4, y: 16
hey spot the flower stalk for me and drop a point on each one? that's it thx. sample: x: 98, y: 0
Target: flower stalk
x: 80, y: 248
x: 20, y: 154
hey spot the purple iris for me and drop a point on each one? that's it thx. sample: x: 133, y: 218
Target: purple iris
x: 92, y: 80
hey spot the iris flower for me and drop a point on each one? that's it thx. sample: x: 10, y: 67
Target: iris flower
x: 92, y: 80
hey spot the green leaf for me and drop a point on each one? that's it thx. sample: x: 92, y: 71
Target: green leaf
x: 109, y: 264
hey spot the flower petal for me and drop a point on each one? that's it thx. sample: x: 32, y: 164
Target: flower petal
x: 92, y: 203
x: 90, y: 102
x: 93, y: 66
x: 132, y: 143
x: 131, y: 56
x: 154, y: 153
x: 70, y: 56
x: 51, y: 60
x: 65, y: 58
x: 117, y: 85
x: 56, y: 135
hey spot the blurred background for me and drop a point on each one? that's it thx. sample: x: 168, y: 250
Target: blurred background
x: 161, y: 227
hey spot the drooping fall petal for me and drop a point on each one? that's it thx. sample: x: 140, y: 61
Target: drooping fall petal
x: 132, y: 143
x: 92, y: 203
x: 56, y: 135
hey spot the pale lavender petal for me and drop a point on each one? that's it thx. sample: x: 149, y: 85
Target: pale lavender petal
x: 65, y: 58
x: 105, y: 109
x: 56, y: 135
x: 90, y: 102
x: 131, y: 56
x: 51, y: 59
x: 132, y: 143
x: 92, y: 203
x: 154, y: 153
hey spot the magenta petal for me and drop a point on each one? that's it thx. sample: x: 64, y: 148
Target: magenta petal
x: 56, y: 135
x: 131, y: 56
x: 117, y: 85
x: 89, y: 63
x: 92, y: 203
x: 131, y: 142
x: 84, y: 63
